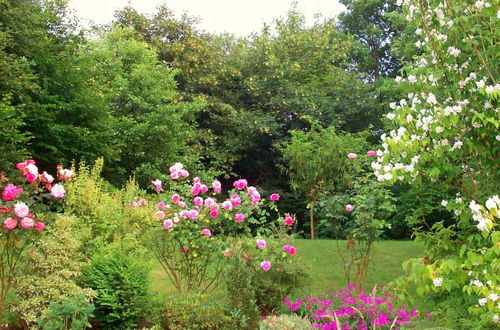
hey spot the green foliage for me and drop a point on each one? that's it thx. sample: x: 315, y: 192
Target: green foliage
x: 285, y: 322
x: 240, y: 291
x: 50, y: 271
x: 73, y: 313
x: 193, y: 312
x: 120, y: 277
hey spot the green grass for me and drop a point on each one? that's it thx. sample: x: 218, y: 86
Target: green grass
x: 324, y: 265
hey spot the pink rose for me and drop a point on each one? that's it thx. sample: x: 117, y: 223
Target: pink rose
x: 27, y: 223
x: 214, y: 213
x: 198, y: 201
x: 238, y: 217
x: 261, y: 244
x: 160, y: 205
x: 175, y: 175
x: 47, y: 178
x: 265, y: 265
x: 209, y: 202
x: 196, y: 180
x: 226, y: 205
x: 371, y: 153
x: 352, y: 155
x: 274, y: 197
x: 160, y: 215
x: 203, y: 188
x: 10, y: 192
x: 245, y: 256
x: 175, y: 198
x: 168, y: 224
x: 57, y: 191
x: 235, y: 200
x: 217, y: 187
x: 240, y: 184
x: 181, y: 204
x: 290, y: 249
x: 288, y: 220
x: 196, y: 189
x: 184, y: 173
x: 349, y: 207
x: 206, y: 232
x: 184, y: 249
x: 39, y: 226
x: 21, y: 210
x: 176, y: 167
x: 31, y: 177
x: 157, y: 184
x: 10, y: 223
x: 65, y: 174
x: 193, y: 214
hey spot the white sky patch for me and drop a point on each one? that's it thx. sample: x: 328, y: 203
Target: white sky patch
x: 239, y: 17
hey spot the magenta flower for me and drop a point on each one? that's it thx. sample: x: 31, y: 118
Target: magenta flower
x: 206, y: 232
x: 161, y: 205
x: 10, y: 192
x: 290, y: 249
x: 349, y: 207
x: 39, y: 226
x: 371, y: 153
x: 288, y: 220
x: 214, y: 213
x: 198, y: 201
x: 168, y: 224
x: 261, y: 244
x: 352, y: 155
x: 181, y: 204
x: 240, y: 184
x: 274, y: 197
x: 265, y: 265
x: 238, y: 217
x: 157, y: 184
x: 175, y: 198
x: 235, y: 200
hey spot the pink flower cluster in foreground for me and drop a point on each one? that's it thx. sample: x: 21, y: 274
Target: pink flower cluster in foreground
x: 353, y: 309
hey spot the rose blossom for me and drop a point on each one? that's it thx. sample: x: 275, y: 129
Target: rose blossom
x: 160, y: 215
x: 290, y: 249
x: 216, y: 186
x: 240, y: 184
x: 21, y: 210
x: 10, y: 192
x: 206, y: 232
x: 214, y: 213
x: 265, y: 265
x: 57, y: 191
x: 352, y: 155
x: 176, y: 198
x: 198, y: 201
x: 371, y: 153
x: 27, y: 223
x: 261, y: 244
x: 160, y: 205
x: 157, y: 184
x: 238, y: 217
x: 168, y: 224
x: 10, y: 223
x: 39, y: 226
x: 349, y: 207
x: 65, y: 174
x: 235, y: 200
x: 288, y: 220
x: 274, y: 197
x: 226, y: 205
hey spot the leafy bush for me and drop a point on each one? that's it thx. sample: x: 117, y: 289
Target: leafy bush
x: 120, y: 277
x: 50, y: 271
x: 285, y: 322
x: 72, y: 313
x: 193, y: 312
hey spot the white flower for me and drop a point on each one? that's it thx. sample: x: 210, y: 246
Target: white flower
x: 474, y: 207
x: 493, y: 297
x: 453, y: 51
x: 409, y: 118
x: 495, y: 318
x: 458, y: 200
x: 398, y: 79
x: 412, y: 79
x: 439, y: 129
x: 497, y: 137
x: 479, y: 4
x: 391, y: 116
x: 491, y: 204
x: 438, y: 281
x: 482, y: 301
x: 388, y: 176
x: 444, y: 203
x: 431, y: 98
x: 418, y: 31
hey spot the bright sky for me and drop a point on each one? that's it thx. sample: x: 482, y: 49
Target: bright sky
x: 240, y: 17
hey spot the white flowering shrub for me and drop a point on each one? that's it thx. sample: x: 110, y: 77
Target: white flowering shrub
x: 447, y: 130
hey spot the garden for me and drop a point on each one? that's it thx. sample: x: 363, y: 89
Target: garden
x: 336, y: 175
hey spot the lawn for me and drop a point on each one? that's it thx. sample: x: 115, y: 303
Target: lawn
x: 323, y: 263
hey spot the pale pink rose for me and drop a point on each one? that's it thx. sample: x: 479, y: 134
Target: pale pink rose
x: 158, y: 184
x: 198, y: 201
x: 181, y: 204
x: 176, y: 218
x: 21, y: 210
x: 160, y: 205
x: 27, y: 223
x: 135, y: 204
x: 196, y: 189
x: 10, y: 192
x: 209, y: 202
x: 32, y: 169
x: 57, y: 191
x: 274, y: 197
x: 160, y: 215
x: 45, y: 177
x: 176, y: 167
x: 265, y: 265
x: 65, y: 174
x: 193, y: 214
x: 206, y: 232
x: 39, y: 226
x: 371, y: 153
x: 184, y: 214
x: 349, y: 207
x: 235, y: 200
x: 288, y: 220
x: 216, y: 186
x: 175, y: 198
x: 10, y: 223
x: 261, y: 244
x: 240, y: 184
x: 226, y: 205
x: 168, y: 224
x: 184, y: 173
x: 352, y: 155
x: 175, y: 175
x: 203, y: 188
x: 238, y: 217
x: 214, y: 213
x: 227, y: 252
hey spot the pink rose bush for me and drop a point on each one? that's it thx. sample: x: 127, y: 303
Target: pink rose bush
x: 195, y: 219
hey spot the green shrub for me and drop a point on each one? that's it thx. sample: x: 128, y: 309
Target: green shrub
x: 50, y: 271
x: 73, y: 313
x: 120, y: 277
x: 193, y: 312
x: 285, y: 322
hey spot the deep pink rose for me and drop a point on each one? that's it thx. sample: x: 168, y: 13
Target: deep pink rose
x: 10, y: 192
x: 274, y: 197
x: 288, y: 220
x: 261, y: 244
x: 265, y: 265
x: 371, y: 153
x: 39, y: 226
x: 238, y: 217
x: 240, y: 184
x: 198, y: 201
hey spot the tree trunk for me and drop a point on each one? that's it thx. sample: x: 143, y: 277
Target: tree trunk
x: 311, y: 218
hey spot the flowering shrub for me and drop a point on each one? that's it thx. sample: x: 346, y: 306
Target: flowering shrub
x: 194, y: 223
x: 353, y: 309
x: 446, y: 131
x: 32, y: 194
